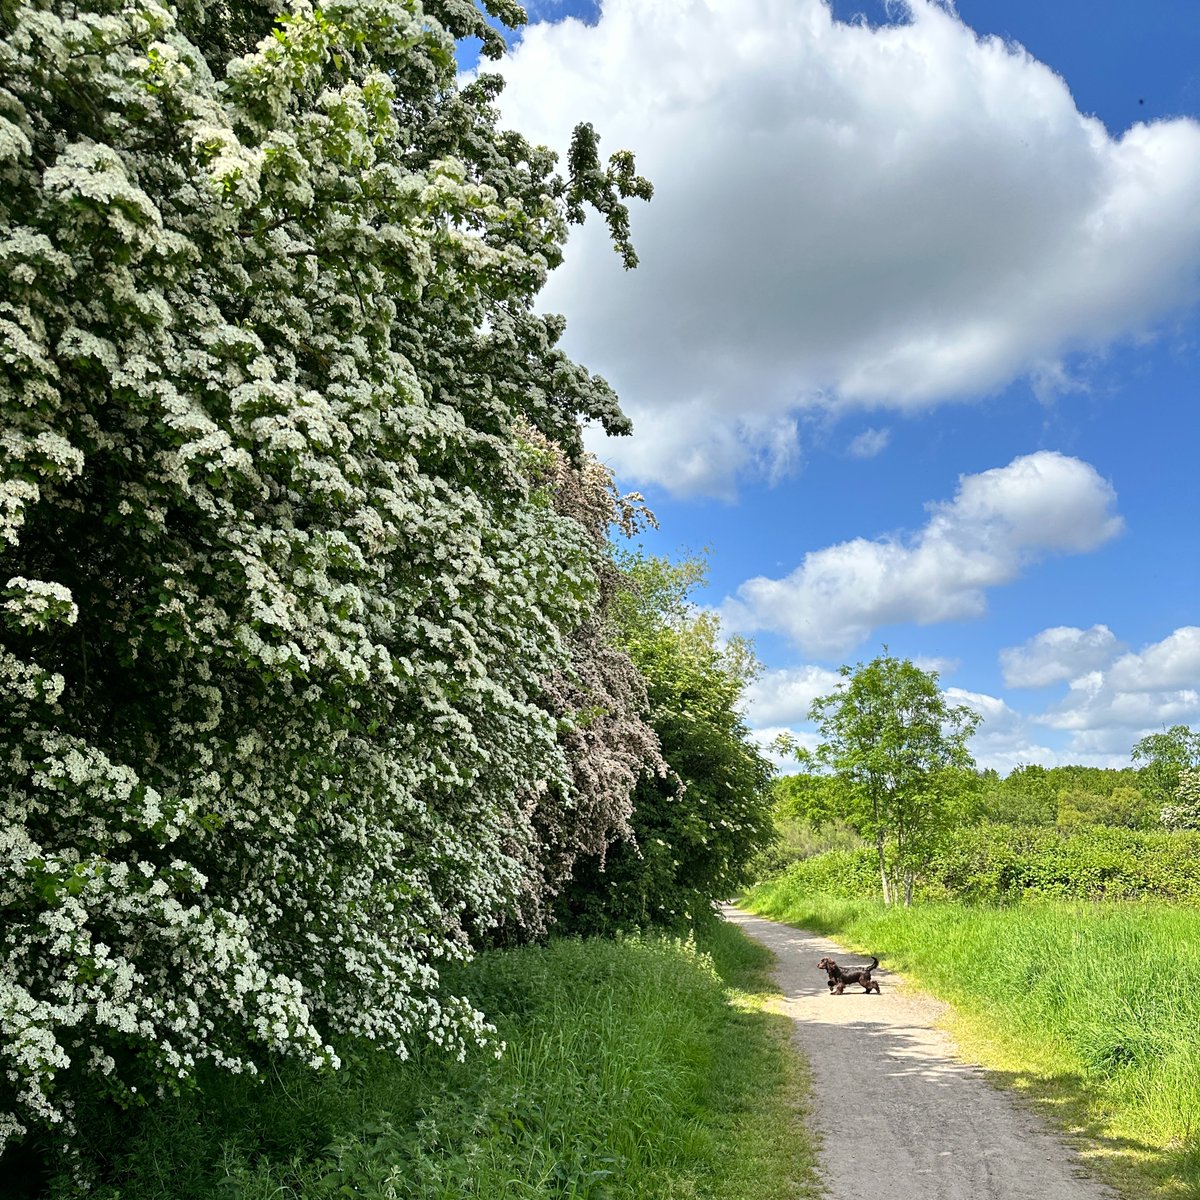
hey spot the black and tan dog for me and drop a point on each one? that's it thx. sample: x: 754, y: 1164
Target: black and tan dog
x: 840, y: 976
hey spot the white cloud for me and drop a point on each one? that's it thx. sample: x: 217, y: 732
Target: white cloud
x: 1005, y: 738
x: 783, y: 697
x: 997, y: 716
x: 869, y: 443
x: 704, y: 455
x: 1106, y: 711
x: 843, y: 216
x: 1058, y: 654
x: 999, y: 522
x: 1172, y: 663
x: 942, y: 666
x: 1093, y: 705
x: 786, y: 764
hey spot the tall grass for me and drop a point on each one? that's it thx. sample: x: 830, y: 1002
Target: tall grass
x: 633, y: 1069
x: 1093, y: 1010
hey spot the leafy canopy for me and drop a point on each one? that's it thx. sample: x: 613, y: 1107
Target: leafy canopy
x: 899, y: 750
x: 1163, y: 757
x: 695, y: 829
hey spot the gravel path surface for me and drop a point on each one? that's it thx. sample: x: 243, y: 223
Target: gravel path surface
x: 899, y: 1117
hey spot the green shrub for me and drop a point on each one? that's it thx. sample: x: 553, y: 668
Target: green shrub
x: 697, y: 828
x: 1011, y: 863
x: 797, y: 840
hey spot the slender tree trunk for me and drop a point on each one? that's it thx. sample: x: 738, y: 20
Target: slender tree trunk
x: 883, y: 878
x: 904, y: 875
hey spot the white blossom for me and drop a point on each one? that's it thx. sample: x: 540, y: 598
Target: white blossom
x: 285, y: 577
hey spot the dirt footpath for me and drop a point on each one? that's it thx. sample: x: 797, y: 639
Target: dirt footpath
x: 899, y: 1117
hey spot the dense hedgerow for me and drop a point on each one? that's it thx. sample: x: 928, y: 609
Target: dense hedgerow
x: 282, y: 576
x: 1004, y: 863
x: 601, y: 704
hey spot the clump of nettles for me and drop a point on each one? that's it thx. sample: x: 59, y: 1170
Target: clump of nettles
x: 280, y: 594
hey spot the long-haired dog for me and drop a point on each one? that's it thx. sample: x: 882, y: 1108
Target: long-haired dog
x: 840, y: 976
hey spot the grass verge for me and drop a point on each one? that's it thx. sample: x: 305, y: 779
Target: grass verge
x: 643, y: 1068
x: 1089, y: 1010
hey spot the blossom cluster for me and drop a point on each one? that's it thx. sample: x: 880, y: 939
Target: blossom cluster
x: 599, y: 699
x: 285, y: 578
x: 1184, y: 811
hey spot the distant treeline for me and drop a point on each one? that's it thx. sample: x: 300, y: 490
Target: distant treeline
x: 1068, y: 797
x: 1064, y: 797
x: 1069, y: 832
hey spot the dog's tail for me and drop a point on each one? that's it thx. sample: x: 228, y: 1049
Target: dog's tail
x: 874, y: 963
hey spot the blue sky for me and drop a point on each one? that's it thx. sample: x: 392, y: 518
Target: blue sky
x: 913, y: 351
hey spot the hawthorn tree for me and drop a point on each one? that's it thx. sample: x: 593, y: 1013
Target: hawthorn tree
x: 1163, y: 759
x: 282, y: 577
x: 898, y: 749
x: 599, y: 701
x: 695, y: 828
x: 1184, y: 811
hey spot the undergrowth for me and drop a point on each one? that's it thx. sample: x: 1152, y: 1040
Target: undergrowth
x: 641, y: 1068
x: 1090, y: 1010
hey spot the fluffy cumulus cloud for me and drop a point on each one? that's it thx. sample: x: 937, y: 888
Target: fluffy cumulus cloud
x: 1138, y: 694
x: 844, y: 216
x: 767, y: 739
x: 1112, y: 699
x: 937, y: 665
x: 1005, y: 738
x: 1086, y: 734
x: 1101, y: 715
x: 1172, y: 663
x: 783, y: 697
x: 1057, y: 655
x: 999, y: 522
